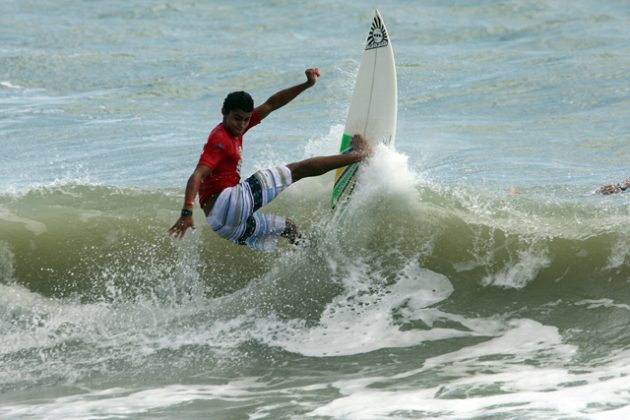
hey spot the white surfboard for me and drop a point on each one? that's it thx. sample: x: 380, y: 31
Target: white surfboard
x: 374, y: 105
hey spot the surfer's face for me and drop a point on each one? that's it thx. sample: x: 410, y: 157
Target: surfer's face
x: 236, y: 121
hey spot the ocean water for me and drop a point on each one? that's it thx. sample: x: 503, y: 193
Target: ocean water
x: 477, y: 275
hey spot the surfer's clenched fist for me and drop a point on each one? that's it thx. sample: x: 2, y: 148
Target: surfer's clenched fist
x: 312, y: 75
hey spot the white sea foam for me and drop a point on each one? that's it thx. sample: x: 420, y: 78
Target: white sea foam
x: 517, y: 274
x: 602, y: 303
x: 7, y: 263
x: 33, y: 226
x: 496, y: 378
x: 364, y: 320
x: 387, y: 174
x: 620, y: 254
x: 115, y: 402
x: 9, y: 85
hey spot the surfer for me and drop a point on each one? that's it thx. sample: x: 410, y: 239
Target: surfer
x: 614, y: 188
x: 231, y: 205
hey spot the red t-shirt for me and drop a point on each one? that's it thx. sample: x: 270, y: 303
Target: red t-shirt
x: 222, y: 154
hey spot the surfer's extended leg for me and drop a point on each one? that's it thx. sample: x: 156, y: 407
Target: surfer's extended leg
x: 320, y: 165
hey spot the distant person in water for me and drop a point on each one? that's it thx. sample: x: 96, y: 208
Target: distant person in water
x: 231, y: 205
x: 614, y: 188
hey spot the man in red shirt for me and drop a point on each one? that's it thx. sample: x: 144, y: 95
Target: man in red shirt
x: 231, y: 205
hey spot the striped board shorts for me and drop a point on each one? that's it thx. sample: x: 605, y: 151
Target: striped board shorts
x: 235, y: 216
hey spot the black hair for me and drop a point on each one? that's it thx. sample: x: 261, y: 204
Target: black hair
x: 238, y: 100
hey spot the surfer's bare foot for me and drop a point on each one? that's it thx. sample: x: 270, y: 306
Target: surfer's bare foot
x: 292, y: 233
x: 361, y: 146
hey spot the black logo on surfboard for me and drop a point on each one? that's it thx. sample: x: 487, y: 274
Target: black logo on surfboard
x: 378, y: 35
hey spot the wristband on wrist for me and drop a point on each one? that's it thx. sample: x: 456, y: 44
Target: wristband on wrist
x: 186, y: 213
x: 189, y: 203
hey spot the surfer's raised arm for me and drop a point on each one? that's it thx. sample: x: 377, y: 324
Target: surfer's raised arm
x: 283, y: 97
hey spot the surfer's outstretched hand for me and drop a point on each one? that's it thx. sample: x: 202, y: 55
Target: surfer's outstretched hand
x: 312, y: 75
x: 180, y: 227
x: 361, y: 146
